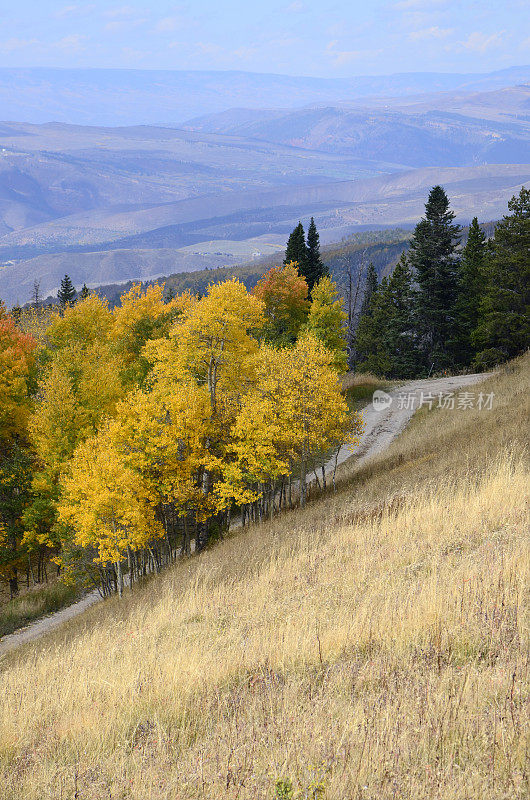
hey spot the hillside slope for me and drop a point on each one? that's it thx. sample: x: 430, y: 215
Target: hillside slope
x: 374, y: 645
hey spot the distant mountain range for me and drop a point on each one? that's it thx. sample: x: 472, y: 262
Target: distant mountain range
x: 110, y: 204
x: 155, y: 97
x: 434, y: 130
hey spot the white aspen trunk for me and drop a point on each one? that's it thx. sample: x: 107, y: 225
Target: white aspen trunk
x: 119, y: 575
x: 303, y: 477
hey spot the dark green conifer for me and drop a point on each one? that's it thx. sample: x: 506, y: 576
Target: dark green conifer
x: 369, y: 288
x: 432, y: 258
x: 67, y: 293
x: 503, y: 329
x: 400, y: 329
x: 471, y: 277
x: 296, y: 250
x: 386, y: 339
x: 315, y: 269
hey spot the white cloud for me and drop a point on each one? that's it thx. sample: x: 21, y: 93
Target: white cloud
x: 72, y: 43
x: 10, y: 45
x: 168, y: 24
x: 479, y: 42
x: 74, y: 11
x: 406, y: 5
x: 295, y: 7
x: 117, y: 25
x: 133, y: 55
x: 340, y: 57
x: 121, y: 11
x: 434, y: 32
x: 245, y: 52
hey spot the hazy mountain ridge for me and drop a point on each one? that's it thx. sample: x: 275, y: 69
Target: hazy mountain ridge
x: 444, y: 130
x: 154, y: 97
x: 115, y: 204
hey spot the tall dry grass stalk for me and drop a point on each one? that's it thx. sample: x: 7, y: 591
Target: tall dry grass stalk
x: 352, y: 379
x: 373, y: 646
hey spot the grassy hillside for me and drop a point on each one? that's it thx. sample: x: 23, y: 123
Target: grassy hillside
x: 372, y: 646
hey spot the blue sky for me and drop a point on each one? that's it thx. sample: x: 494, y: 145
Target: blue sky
x: 296, y: 37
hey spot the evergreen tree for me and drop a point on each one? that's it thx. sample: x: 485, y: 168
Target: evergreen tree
x: 400, y: 339
x: 370, y: 287
x: 471, y: 275
x: 316, y: 269
x: 84, y: 293
x: 36, y: 300
x: 67, y: 293
x: 432, y: 257
x: 370, y: 338
x: 169, y: 294
x: 16, y: 313
x: 296, y: 250
x: 503, y: 329
x: 386, y: 333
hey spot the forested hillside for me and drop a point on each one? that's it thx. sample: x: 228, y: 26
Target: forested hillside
x: 130, y: 434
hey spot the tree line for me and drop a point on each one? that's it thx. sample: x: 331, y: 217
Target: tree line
x: 131, y: 435
x: 447, y: 307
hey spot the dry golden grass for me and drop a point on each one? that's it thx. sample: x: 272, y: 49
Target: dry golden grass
x: 372, y: 646
x: 352, y: 379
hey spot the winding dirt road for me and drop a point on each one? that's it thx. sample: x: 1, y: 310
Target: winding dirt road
x: 383, y: 422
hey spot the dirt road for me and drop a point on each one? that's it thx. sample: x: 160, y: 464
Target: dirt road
x: 383, y: 422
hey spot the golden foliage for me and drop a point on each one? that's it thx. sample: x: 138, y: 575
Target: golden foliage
x: 105, y: 502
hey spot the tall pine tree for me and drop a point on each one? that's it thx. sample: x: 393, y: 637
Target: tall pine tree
x: 315, y: 267
x: 67, y: 293
x: 471, y: 277
x: 296, y: 250
x: 400, y: 328
x: 356, y: 353
x: 432, y: 258
x: 370, y: 337
x: 369, y: 288
x: 503, y: 329
x: 386, y: 338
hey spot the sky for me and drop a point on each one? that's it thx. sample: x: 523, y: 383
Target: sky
x: 295, y: 37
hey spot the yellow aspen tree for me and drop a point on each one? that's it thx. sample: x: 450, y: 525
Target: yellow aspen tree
x: 17, y: 361
x: 79, y: 386
x: 83, y: 323
x: 162, y: 434
x: 17, y: 364
x: 106, y: 504
x: 210, y: 345
x: 327, y: 319
x: 141, y: 316
x: 298, y: 401
x: 284, y: 295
